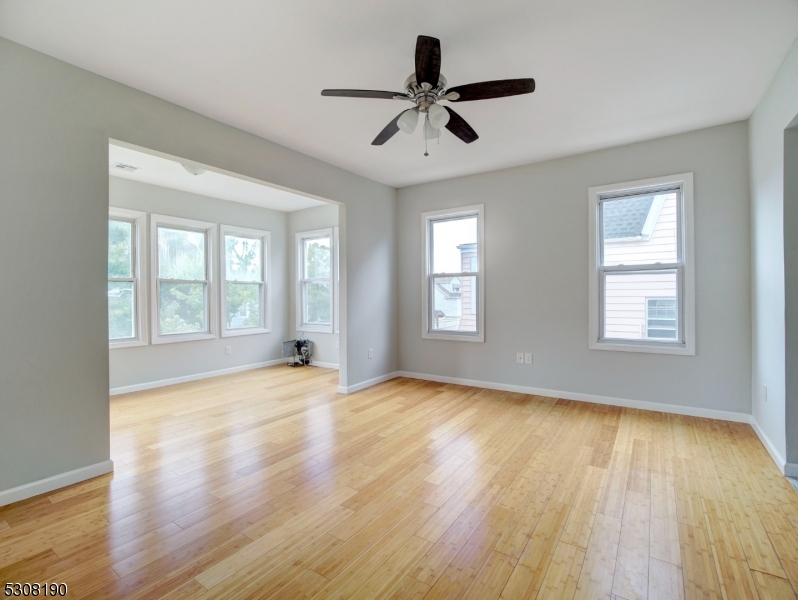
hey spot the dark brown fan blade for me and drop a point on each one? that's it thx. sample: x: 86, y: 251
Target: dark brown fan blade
x: 363, y: 94
x: 428, y: 60
x: 460, y: 128
x: 493, y: 89
x: 387, y: 133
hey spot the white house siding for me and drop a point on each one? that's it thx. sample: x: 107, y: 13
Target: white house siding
x: 468, y: 321
x: 625, y: 301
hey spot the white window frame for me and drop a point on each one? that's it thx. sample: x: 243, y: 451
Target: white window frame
x: 427, y: 219
x: 265, y: 300
x: 209, y: 229
x: 336, y: 266
x: 139, y: 221
x: 300, y: 281
x: 684, y: 268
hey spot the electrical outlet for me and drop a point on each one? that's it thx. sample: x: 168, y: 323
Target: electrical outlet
x: 228, y: 349
x: 519, y: 358
x: 337, y: 344
x: 371, y: 352
x: 528, y: 358
x: 765, y: 392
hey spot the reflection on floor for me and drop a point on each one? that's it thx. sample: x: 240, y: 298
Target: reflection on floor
x: 269, y: 484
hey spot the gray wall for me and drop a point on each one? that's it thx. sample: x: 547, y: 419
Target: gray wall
x: 143, y: 364
x: 56, y: 121
x: 536, y: 255
x: 766, y: 130
x: 325, y: 345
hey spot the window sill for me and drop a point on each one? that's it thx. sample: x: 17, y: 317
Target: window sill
x: 315, y: 328
x: 192, y: 337
x: 454, y: 337
x: 243, y: 331
x: 126, y: 344
x: 617, y: 346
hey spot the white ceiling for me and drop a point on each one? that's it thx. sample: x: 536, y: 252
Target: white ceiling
x: 607, y: 72
x: 169, y: 172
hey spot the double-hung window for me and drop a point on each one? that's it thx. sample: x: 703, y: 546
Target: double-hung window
x: 642, y: 286
x: 315, y: 270
x: 182, y: 279
x: 126, y: 305
x: 245, y: 306
x: 453, y: 287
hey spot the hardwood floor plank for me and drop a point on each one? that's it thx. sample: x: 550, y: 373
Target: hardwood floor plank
x: 270, y: 484
x: 409, y: 589
x: 665, y: 581
x: 596, y: 578
x: 773, y: 588
x: 530, y: 571
x: 698, y: 564
x: 562, y: 576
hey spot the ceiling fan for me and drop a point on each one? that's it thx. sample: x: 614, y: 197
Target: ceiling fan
x: 426, y: 88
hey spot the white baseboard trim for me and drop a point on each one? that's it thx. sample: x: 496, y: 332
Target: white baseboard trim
x: 690, y: 411
x: 368, y: 383
x: 126, y: 389
x: 29, y: 490
x: 781, y: 463
x: 324, y: 365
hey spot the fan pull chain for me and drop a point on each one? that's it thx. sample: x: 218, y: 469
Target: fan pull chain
x: 424, y: 129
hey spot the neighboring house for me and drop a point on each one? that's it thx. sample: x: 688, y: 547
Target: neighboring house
x: 639, y: 231
x: 240, y: 317
x: 448, y: 303
x: 455, y: 297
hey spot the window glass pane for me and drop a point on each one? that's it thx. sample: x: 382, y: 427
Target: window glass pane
x: 316, y: 303
x: 243, y: 305
x: 120, y: 248
x: 625, y: 303
x: 121, y: 310
x: 317, y: 258
x: 661, y: 318
x: 454, y: 304
x: 640, y: 230
x: 243, y: 257
x: 181, y: 254
x: 454, y: 245
x: 182, y: 308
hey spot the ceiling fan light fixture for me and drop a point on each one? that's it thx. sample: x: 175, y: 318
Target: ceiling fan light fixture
x: 192, y: 169
x: 408, y: 121
x: 430, y: 131
x: 438, y: 116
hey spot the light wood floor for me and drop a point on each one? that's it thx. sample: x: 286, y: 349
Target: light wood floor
x: 269, y: 484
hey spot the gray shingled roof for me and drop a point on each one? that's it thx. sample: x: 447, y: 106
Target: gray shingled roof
x: 625, y: 218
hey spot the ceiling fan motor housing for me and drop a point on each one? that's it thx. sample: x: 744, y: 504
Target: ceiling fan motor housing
x: 422, y: 94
